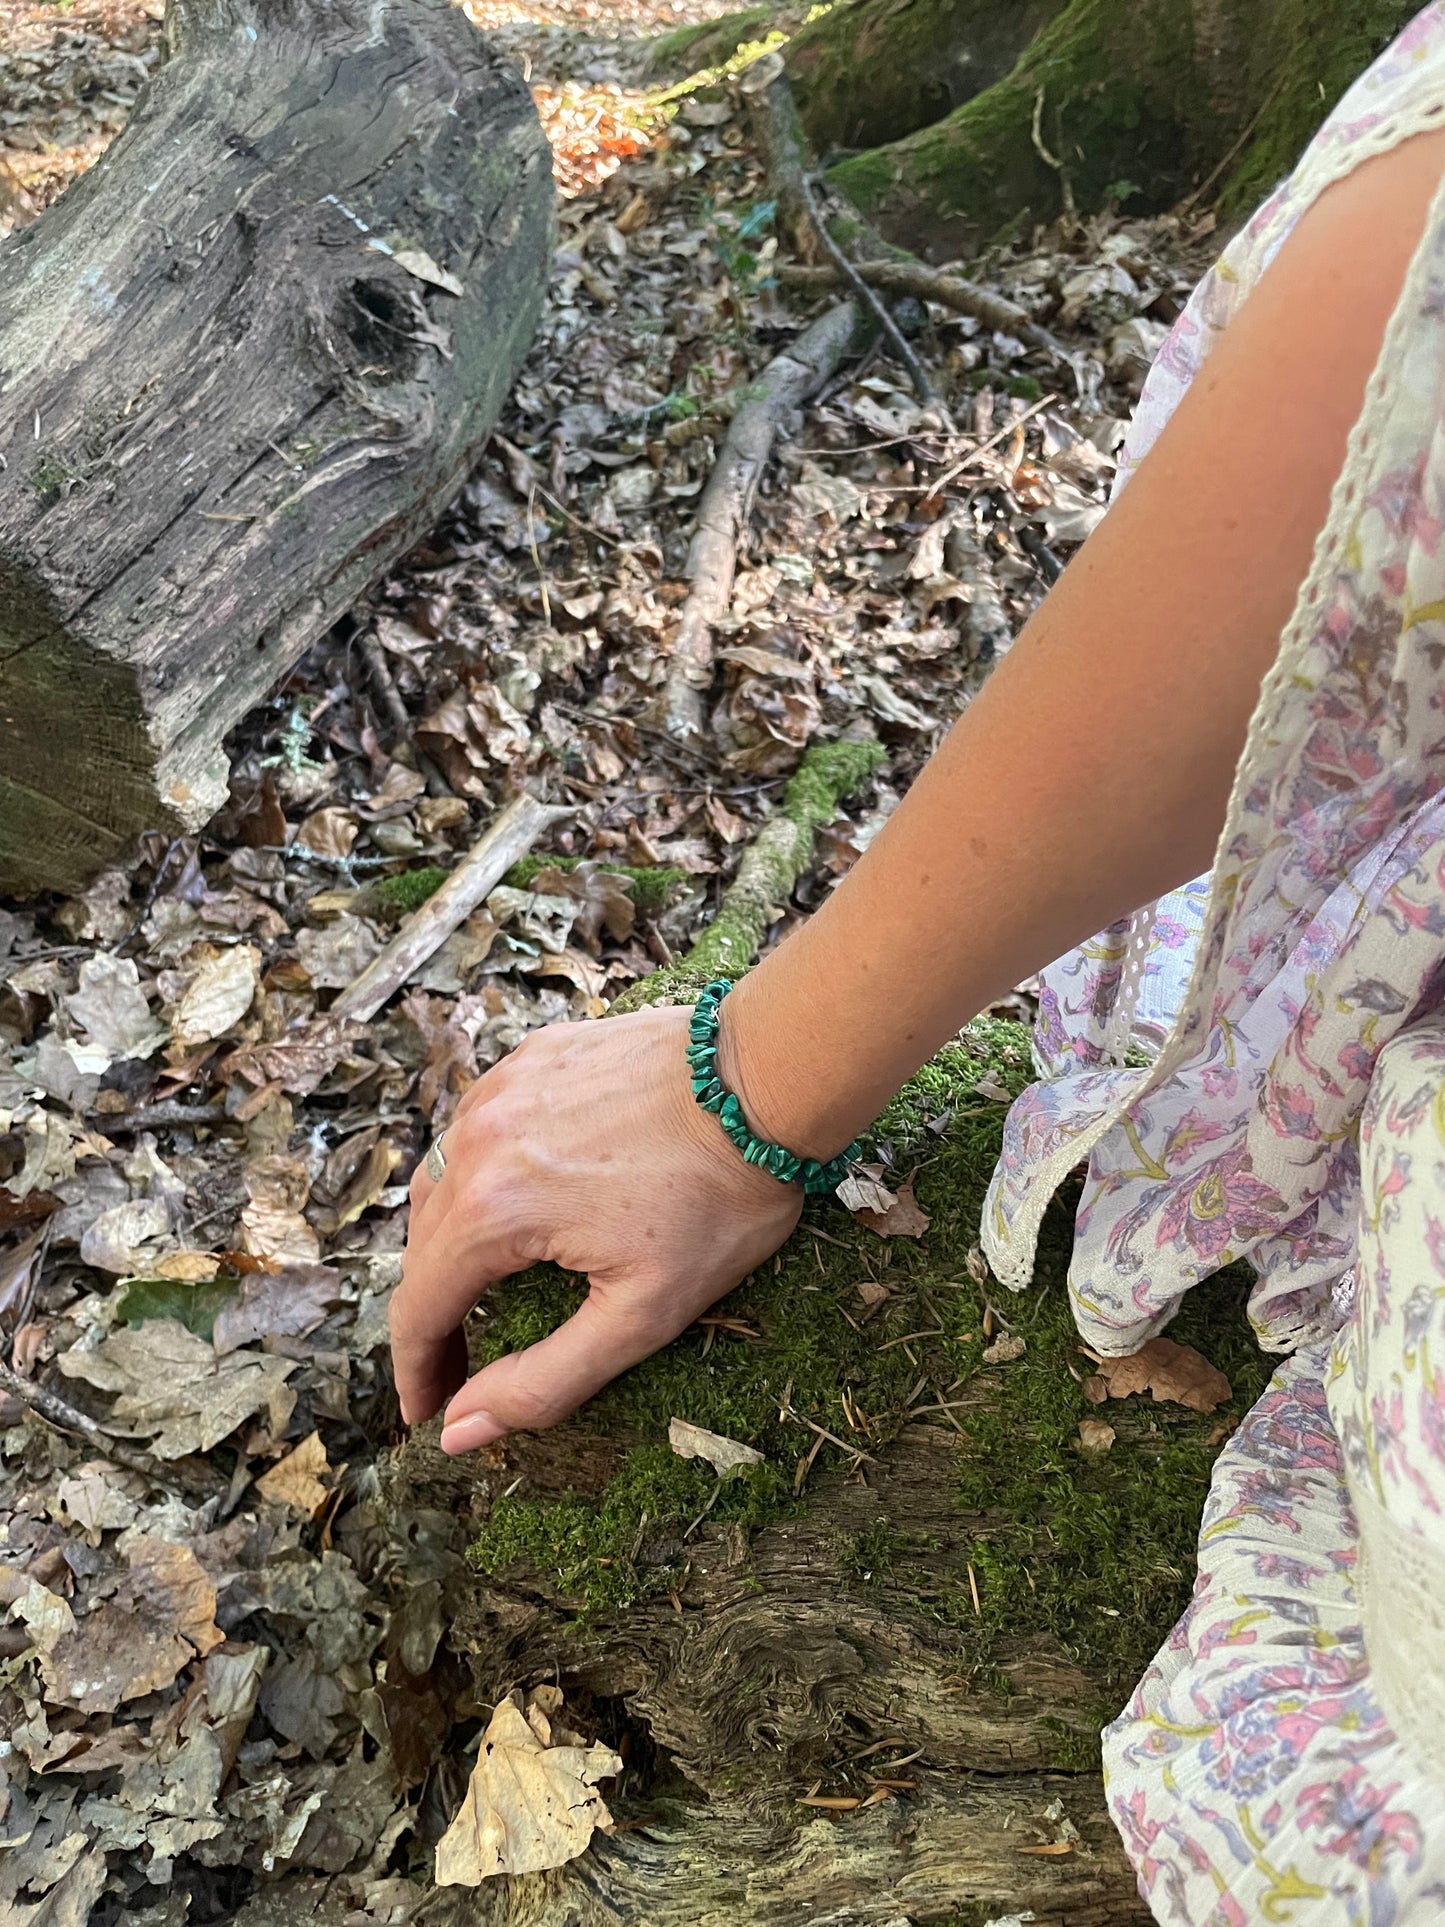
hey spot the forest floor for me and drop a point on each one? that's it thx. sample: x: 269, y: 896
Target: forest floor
x: 203, y: 1176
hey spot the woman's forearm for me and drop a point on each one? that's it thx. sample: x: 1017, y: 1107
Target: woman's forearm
x: 1093, y: 771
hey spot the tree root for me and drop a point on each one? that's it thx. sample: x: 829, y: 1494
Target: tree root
x: 789, y: 379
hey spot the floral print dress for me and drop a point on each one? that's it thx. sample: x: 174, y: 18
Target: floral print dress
x: 1284, y: 1758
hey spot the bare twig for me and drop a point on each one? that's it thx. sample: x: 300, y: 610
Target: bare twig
x: 162, y: 1117
x: 379, y: 670
x: 917, y: 373
x: 1066, y: 189
x: 69, y: 1418
x: 899, y: 276
x: 510, y: 837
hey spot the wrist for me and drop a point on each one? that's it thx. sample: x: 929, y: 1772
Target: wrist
x: 784, y: 1094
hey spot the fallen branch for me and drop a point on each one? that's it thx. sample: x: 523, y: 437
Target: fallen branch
x: 778, y: 855
x: 510, y: 837
x: 782, y: 148
x: 789, y: 379
x: 932, y: 284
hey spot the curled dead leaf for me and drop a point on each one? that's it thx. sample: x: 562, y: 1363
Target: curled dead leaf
x: 1175, y: 1374
x: 528, y: 1807
x: 724, y: 1455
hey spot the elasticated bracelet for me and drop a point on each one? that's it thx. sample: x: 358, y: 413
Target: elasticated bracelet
x: 707, y: 1087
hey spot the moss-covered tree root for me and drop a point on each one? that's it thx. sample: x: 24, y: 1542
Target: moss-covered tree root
x: 1143, y: 101
x: 771, y: 866
x: 926, y: 1567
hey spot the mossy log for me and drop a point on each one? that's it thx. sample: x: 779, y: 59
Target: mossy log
x: 1142, y: 102
x: 244, y: 361
x: 927, y: 1568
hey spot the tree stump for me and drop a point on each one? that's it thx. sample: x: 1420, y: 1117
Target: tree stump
x: 243, y: 363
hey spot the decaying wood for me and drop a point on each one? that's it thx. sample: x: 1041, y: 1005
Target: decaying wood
x: 244, y: 361
x: 782, y: 1665
x: 900, y: 276
x: 789, y: 379
x: 506, y: 840
x: 782, y: 148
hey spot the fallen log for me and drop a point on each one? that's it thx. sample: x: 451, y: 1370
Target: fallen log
x: 244, y: 361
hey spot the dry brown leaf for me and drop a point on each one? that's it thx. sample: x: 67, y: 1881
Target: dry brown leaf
x: 329, y: 832
x: 171, y: 1383
x: 188, y: 1267
x: 528, y: 1807
x: 863, y: 1190
x: 724, y: 1455
x: 217, y: 996
x: 163, y: 1615
x: 1095, y: 1436
x: 278, y: 1235
x: 1171, y: 1373
x: 295, y: 1481
x: 276, y: 1304
x: 112, y: 1241
x: 111, y: 1008
x: 904, y: 1218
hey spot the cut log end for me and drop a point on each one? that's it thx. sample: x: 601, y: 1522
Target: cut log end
x: 238, y: 386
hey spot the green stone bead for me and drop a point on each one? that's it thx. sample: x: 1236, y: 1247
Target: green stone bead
x: 715, y: 1100
x: 732, y: 1111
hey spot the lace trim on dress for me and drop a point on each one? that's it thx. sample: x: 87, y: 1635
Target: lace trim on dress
x: 1400, y: 1584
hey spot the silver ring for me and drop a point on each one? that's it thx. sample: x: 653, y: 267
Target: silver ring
x: 436, y: 1162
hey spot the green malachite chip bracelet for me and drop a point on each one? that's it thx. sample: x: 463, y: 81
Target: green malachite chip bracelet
x: 707, y: 1087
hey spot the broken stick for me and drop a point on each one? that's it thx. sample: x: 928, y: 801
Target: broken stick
x: 504, y: 843
x: 789, y: 380
x: 932, y: 284
x: 66, y: 1417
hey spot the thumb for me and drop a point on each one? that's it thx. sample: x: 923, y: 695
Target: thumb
x: 528, y: 1390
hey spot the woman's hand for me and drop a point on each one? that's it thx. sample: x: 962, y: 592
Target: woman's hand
x: 584, y: 1147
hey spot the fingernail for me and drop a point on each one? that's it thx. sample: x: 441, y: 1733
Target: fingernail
x: 466, y: 1434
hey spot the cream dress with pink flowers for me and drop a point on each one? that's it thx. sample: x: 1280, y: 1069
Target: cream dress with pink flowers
x: 1284, y: 1758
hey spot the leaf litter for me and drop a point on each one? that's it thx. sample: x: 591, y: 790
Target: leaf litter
x: 217, y: 1670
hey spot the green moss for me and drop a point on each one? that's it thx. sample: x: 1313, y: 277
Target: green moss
x: 771, y: 866
x: 653, y: 888
x: 707, y: 43
x: 1313, y: 69
x: 1151, y: 90
x: 873, y: 71
x: 1096, y: 1554
x: 393, y: 898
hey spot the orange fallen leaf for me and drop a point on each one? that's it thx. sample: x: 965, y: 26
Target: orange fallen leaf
x: 1174, y: 1373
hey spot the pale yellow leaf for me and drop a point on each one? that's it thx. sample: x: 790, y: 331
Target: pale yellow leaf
x: 528, y: 1807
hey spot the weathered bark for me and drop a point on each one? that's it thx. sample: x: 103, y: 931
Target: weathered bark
x: 234, y: 389
x: 780, y: 1661
x: 1146, y: 101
